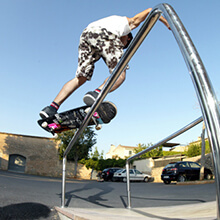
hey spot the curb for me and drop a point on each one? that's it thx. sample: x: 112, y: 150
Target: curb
x: 195, y: 182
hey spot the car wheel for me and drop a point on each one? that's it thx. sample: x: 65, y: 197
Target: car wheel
x: 113, y: 179
x: 124, y: 179
x: 146, y: 179
x: 181, y: 178
x: 167, y: 181
x: 208, y: 176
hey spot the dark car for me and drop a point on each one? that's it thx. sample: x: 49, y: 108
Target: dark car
x: 108, y: 173
x: 183, y: 171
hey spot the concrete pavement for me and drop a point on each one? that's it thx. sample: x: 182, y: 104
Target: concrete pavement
x: 198, y: 211
x: 32, y: 197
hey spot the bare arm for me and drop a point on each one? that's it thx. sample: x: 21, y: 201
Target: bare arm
x: 140, y: 17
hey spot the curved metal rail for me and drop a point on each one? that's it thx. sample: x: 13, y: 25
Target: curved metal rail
x: 204, y: 90
x: 205, y: 93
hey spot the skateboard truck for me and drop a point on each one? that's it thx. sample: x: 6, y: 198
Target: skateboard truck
x: 96, y: 119
x: 45, y: 124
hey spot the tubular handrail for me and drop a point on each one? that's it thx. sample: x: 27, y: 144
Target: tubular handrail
x: 205, y: 92
x: 163, y: 141
x: 202, y: 84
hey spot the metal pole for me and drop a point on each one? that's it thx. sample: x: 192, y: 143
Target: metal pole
x: 63, y: 183
x: 182, y: 130
x: 128, y: 184
x: 204, y: 90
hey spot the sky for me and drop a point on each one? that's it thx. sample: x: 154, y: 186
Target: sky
x: 39, y: 52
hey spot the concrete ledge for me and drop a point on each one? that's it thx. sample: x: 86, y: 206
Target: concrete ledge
x: 200, y: 211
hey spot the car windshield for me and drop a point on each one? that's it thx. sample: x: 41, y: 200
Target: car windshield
x: 137, y: 172
x: 170, y: 165
x: 118, y: 171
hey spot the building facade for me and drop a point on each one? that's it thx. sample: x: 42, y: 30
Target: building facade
x: 120, y: 152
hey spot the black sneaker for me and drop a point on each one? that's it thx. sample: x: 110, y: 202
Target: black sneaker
x: 107, y: 111
x: 48, y: 111
x: 90, y: 98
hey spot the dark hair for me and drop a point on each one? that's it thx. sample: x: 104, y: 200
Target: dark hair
x: 130, y: 37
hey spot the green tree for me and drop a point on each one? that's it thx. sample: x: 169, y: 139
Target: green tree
x: 80, y: 149
x: 157, y: 152
x: 194, y: 149
x: 101, y: 164
x: 96, y: 154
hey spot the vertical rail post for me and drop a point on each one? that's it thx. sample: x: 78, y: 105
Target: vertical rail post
x: 128, y: 184
x: 63, y: 183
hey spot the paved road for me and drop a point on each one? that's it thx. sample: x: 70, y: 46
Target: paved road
x: 34, y: 197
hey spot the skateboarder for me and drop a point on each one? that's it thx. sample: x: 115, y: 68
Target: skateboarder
x: 105, y: 38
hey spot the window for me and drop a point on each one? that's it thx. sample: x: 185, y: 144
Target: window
x: 184, y: 164
x: 17, y: 163
x: 131, y: 172
x: 137, y: 172
x: 194, y: 165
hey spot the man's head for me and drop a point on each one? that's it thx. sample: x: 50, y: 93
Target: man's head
x: 126, y: 40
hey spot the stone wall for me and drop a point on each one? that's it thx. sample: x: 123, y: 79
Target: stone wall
x: 41, y: 156
x: 156, y: 173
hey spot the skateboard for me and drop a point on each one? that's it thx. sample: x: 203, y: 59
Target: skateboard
x: 73, y: 118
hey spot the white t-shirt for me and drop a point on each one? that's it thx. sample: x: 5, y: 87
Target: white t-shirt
x: 118, y: 25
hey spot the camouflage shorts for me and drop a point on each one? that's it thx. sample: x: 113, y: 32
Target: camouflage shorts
x: 96, y: 43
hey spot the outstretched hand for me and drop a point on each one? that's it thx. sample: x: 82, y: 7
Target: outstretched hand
x: 168, y: 26
x: 164, y: 21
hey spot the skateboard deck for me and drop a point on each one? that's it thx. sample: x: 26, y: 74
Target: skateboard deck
x: 73, y: 118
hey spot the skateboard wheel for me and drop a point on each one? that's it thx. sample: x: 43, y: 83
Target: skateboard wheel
x: 98, y: 127
x: 44, y: 124
x: 55, y: 135
x: 87, y: 110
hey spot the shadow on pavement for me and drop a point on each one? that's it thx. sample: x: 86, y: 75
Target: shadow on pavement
x: 24, y: 211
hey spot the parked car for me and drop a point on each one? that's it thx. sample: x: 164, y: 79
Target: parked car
x: 135, y: 175
x: 183, y: 171
x: 107, y: 173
